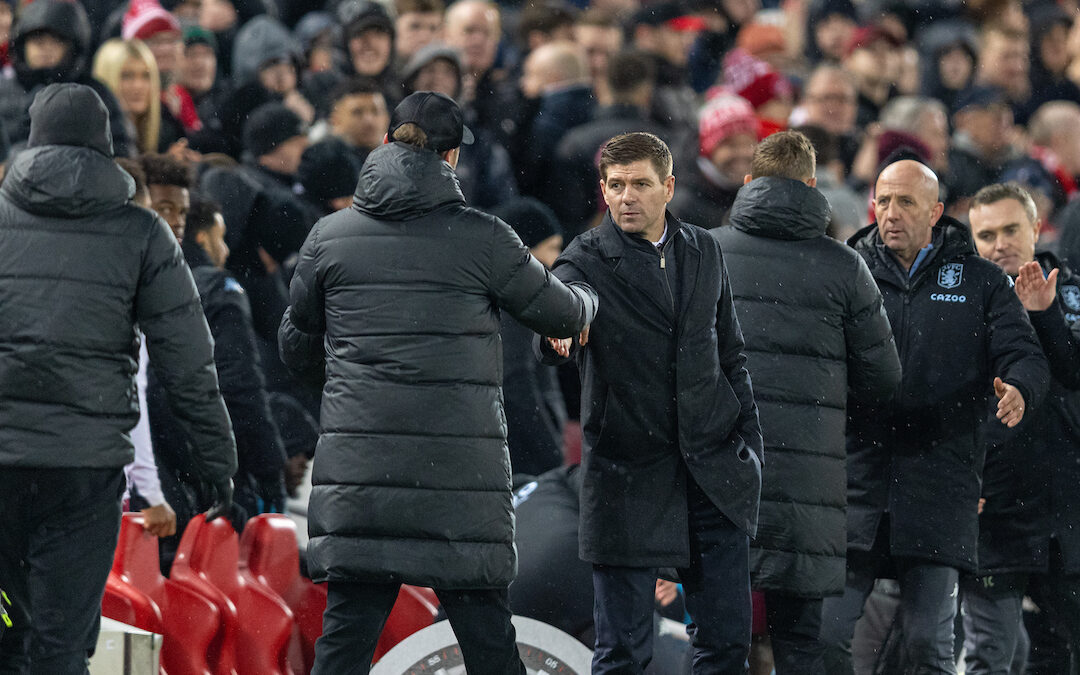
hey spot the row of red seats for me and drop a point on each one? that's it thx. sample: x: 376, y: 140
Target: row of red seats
x: 234, y: 605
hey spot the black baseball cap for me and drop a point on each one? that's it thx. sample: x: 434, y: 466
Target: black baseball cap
x: 439, y: 117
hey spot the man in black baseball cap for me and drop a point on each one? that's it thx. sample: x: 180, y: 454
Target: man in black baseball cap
x: 410, y: 281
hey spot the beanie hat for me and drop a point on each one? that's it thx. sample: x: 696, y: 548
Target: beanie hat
x: 269, y: 126
x: 146, y: 18
x: 70, y: 114
x: 892, y: 140
x: 533, y: 220
x: 358, y: 16
x: 723, y: 117
x: 328, y: 171
x: 197, y: 35
x: 753, y: 79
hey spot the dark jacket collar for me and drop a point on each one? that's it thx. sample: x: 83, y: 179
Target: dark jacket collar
x: 400, y: 181
x: 66, y: 181
x: 951, y: 240
x: 613, y: 241
x: 780, y: 208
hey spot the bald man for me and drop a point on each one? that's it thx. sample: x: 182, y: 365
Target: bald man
x: 914, y: 463
x: 556, y: 79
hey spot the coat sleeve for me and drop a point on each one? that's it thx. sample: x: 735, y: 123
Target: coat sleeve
x: 1060, y: 344
x: 1015, y: 353
x: 258, y: 443
x: 181, y: 349
x: 872, y: 359
x: 300, y: 337
x: 568, y: 273
x: 532, y: 294
x: 731, y: 346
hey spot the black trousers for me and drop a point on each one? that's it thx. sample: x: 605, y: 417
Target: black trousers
x: 795, y: 633
x: 717, y: 586
x: 58, y: 530
x: 356, y: 612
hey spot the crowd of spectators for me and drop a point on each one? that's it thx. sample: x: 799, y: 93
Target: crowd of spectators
x: 248, y: 120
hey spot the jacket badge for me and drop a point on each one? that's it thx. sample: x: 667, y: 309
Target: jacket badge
x: 950, y: 275
x: 1071, y: 296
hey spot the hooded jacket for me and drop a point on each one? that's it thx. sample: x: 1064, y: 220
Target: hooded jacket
x: 400, y: 296
x: 68, y: 21
x: 816, y: 333
x: 958, y: 324
x: 82, y: 267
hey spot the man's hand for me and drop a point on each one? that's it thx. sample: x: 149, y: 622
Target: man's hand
x: 1010, y: 403
x: 562, y: 346
x: 666, y: 592
x: 1035, y: 292
x: 223, y: 495
x: 159, y: 520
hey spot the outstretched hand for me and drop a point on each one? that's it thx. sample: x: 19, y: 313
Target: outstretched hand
x: 1035, y: 292
x: 1010, y: 403
x: 562, y: 345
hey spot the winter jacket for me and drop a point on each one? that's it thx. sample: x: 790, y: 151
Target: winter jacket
x: 535, y: 409
x: 82, y: 267
x: 958, y: 324
x: 664, y: 392
x: 1032, y: 470
x: 66, y: 20
x: 400, y: 295
x: 816, y: 332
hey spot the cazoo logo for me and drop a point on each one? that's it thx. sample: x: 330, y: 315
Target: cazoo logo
x: 947, y: 297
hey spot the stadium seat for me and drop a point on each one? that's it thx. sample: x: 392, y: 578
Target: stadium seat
x: 268, y: 552
x: 208, y: 562
x: 138, y: 595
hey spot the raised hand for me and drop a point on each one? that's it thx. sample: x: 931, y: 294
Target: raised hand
x: 1035, y: 292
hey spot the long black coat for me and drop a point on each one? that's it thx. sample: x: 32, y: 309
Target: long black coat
x: 664, y: 390
x: 82, y: 266
x: 816, y: 332
x: 958, y: 324
x: 400, y: 295
x: 1032, y: 471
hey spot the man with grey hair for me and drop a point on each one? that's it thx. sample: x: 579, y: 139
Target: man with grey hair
x: 924, y: 118
x: 1029, y: 528
x: 914, y: 463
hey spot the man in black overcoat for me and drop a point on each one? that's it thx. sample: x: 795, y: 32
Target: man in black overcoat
x: 672, y: 447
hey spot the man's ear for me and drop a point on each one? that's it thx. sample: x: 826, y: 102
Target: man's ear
x: 747, y: 178
x: 811, y: 181
x: 386, y: 139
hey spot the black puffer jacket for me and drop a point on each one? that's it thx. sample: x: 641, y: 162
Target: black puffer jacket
x: 958, y: 324
x: 1032, y: 470
x: 81, y: 267
x: 815, y: 332
x: 401, y: 295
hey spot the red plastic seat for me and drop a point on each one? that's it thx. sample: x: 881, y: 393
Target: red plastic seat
x: 137, y: 594
x: 270, y: 555
x: 208, y: 563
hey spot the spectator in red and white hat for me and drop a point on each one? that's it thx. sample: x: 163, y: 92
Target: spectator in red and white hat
x: 148, y: 21
x: 727, y: 137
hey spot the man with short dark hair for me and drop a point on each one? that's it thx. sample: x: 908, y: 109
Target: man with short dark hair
x: 84, y: 271
x: 815, y: 319
x: 169, y: 183
x: 395, y: 303
x: 358, y: 116
x: 672, y: 445
x: 915, y: 462
x: 1029, y: 534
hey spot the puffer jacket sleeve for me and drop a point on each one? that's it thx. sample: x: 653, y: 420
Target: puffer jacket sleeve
x: 873, y: 363
x: 1015, y: 353
x: 300, y: 337
x: 533, y: 295
x: 181, y: 350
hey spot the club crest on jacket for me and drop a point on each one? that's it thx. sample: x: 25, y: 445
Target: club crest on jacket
x: 950, y: 275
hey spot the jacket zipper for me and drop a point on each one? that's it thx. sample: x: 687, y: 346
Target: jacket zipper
x: 663, y: 266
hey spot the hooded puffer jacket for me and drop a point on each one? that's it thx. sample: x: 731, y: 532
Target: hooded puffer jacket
x: 400, y: 295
